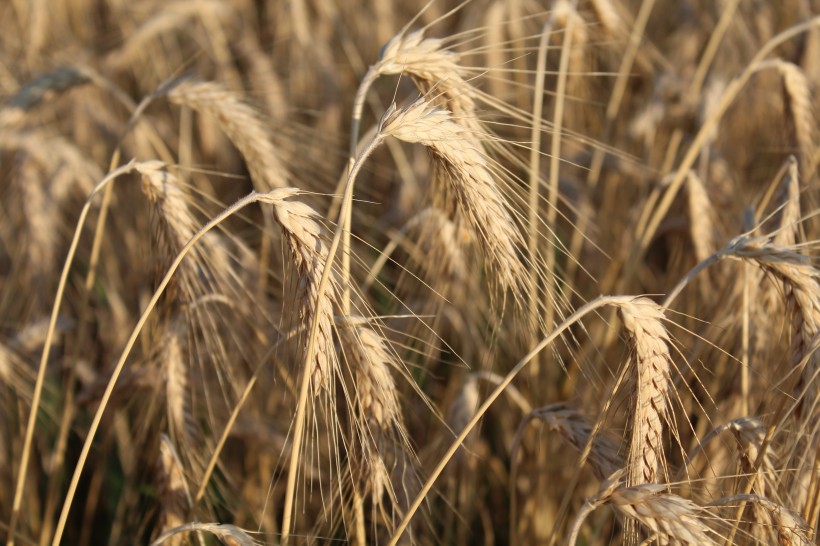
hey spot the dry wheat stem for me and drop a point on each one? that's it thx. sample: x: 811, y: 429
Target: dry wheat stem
x: 583, y: 311
x: 727, y: 98
x: 231, y: 210
x: 41, y: 370
x: 535, y: 169
x: 550, y: 304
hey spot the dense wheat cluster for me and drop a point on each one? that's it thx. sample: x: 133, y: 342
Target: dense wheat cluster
x: 397, y: 272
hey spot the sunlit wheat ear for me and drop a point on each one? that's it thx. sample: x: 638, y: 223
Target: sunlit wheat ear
x: 172, y: 494
x: 376, y: 402
x: 175, y: 225
x: 667, y: 518
x: 470, y: 178
x: 164, y: 191
x: 306, y: 239
x: 576, y: 429
x: 430, y: 64
x: 242, y: 124
x: 643, y: 324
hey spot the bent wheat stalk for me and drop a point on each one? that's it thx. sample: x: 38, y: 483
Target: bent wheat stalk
x: 275, y: 198
x: 52, y: 325
x: 582, y: 312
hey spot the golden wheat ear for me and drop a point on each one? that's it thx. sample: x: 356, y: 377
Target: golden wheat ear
x: 469, y: 177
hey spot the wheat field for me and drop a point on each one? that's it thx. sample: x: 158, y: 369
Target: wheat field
x: 380, y: 272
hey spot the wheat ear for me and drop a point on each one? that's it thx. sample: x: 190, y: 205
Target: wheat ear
x: 305, y: 237
x: 791, y: 528
x: 670, y: 518
x: 642, y: 320
x: 576, y: 429
x: 376, y: 400
x: 458, y: 150
x: 242, y: 124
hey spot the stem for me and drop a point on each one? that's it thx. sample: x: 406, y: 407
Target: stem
x: 301, y: 405
x: 555, y: 164
x: 575, y: 317
x: 726, y: 100
x: 41, y: 371
x: 75, y: 479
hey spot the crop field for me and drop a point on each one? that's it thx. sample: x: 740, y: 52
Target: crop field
x: 383, y: 272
